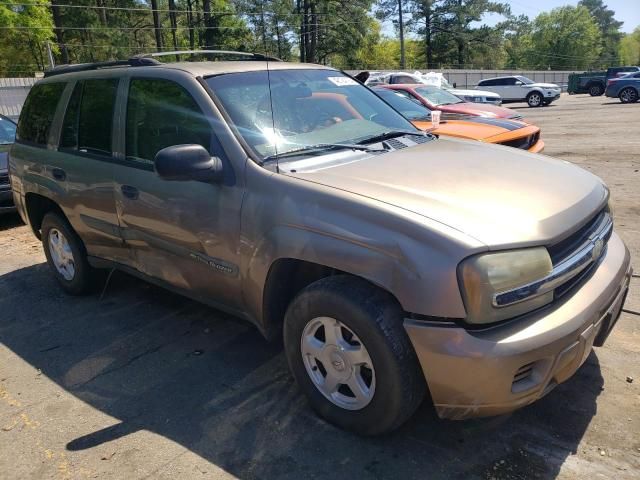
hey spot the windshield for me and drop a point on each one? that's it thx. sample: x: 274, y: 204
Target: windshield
x: 408, y: 108
x: 437, y: 96
x: 304, y: 108
x: 7, y: 131
x: 525, y: 80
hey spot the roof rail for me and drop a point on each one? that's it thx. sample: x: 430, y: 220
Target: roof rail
x: 83, y: 67
x: 219, y: 53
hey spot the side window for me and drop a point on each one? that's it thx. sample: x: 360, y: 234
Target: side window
x: 161, y: 113
x: 38, y: 111
x: 509, y: 81
x: 489, y: 83
x: 89, y: 117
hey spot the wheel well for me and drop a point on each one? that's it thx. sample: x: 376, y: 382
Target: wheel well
x: 37, y: 207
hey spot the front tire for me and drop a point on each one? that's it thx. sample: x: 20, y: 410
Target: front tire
x: 534, y: 99
x: 66, y: 256
x: 628, y: 95
x: 349, y: 353
x: 595, y: 90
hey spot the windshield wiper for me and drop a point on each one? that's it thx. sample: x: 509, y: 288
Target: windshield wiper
x: 318, y: 146
x: 391, y: 134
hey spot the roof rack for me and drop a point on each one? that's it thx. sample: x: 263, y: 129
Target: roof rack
x: 147, y: 59
x: 219, y: 53
x: 83, y: 67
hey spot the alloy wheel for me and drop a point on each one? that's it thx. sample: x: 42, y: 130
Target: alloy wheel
x: 338, y: 363
x: 628, y: 95
x: 535, y: 100
x: 61, y: 254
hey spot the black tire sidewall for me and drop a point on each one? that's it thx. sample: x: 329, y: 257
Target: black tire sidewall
x: 385, y: 411
x: 82, y: 282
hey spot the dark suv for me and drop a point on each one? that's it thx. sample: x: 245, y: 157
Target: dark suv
x: 7, y: 137
x: 390, y: 261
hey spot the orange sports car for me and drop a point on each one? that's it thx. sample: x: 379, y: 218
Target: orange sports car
x: 511, y: 133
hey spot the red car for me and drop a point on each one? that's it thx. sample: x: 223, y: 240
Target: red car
x: 452, y: 107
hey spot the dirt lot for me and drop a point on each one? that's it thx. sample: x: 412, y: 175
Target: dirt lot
x: 142, y: 383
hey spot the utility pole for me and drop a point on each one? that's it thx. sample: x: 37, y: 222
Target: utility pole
x: 52, y: 64
x: 401, y: 25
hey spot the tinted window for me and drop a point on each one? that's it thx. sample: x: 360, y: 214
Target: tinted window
x: 403, y: 79
x: 437, y: 96
x: 7, y: 131
x: 161, y: 113
x: 38, y: 111
x: 491, y: 83
x: 88, y: 120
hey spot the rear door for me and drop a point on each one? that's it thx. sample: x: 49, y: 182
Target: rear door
x: 84, y: 165
x: 184, y: 233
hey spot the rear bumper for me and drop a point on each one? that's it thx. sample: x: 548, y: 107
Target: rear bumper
x: 495, y: 371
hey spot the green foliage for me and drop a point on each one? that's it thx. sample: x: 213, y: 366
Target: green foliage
x: 23, y: 49
x: 564, y: 38
x: 610, y: 34
x: 629, y: 49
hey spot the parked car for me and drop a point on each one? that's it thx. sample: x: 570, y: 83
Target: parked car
x: 510, y: 133
x: 437, y: 80
x: 7, y: 137
x: 391, y: 261
x: 517, y: 88
x: 452, y: 107
x: 595, y: 83
x: 626, y: 88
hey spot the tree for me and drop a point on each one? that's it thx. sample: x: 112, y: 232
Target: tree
x: 23, y: 48
x: 630, y: 48
x: 609, y: 30
x: 564, y: 38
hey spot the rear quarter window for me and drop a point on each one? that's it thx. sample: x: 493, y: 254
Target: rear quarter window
x: 38, y: 111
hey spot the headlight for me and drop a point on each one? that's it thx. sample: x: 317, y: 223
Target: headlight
x: 485, y: 275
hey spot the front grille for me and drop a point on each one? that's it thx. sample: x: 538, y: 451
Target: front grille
x: 567, y: 247
x: 524, y: 143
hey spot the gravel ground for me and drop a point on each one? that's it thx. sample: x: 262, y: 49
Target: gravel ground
x: 141, y: 383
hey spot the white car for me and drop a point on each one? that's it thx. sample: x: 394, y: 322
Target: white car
x: 435, y: 79
x: 517, y: 88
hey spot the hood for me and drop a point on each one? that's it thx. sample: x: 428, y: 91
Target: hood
x: 481, y: 109
x: 500, y: 196
x: 473, y: 93
x: 544, y: 85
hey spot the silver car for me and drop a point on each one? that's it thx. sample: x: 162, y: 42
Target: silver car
x: 521, y: 89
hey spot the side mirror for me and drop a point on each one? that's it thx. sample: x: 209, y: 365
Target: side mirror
x: 518, y: 83
x: 188, y: 162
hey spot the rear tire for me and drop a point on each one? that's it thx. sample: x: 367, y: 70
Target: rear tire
x: 628, y: 95
x: 595, y: 90
x: 534, y: 99
x: 374, y: 355
x: 66, y: 256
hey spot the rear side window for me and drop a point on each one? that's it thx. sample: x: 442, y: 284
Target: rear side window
x: 38, y: 111
x: 161, y: 113
x: 489, y: 83
x: 88, y: 120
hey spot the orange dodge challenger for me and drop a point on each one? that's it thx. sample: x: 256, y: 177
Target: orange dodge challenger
x: 511, y: 133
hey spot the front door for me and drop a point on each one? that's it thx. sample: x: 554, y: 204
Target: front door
x: 185, y: 233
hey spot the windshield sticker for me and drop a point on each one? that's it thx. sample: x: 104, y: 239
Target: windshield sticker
x: 342, y: 81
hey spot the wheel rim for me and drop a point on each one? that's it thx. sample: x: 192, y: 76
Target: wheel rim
x: 595, y: 91
x: 534, y: 100
x: 338, y: 363
x: 61, y: 254
x: 627, y: 95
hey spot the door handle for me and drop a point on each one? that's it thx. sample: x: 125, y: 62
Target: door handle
x: 129, y: 191
x: 59, y: 174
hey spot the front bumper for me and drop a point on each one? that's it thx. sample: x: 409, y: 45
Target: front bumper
x: 551, y: 98
x: 537, y: 147
x: 497, y: 370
